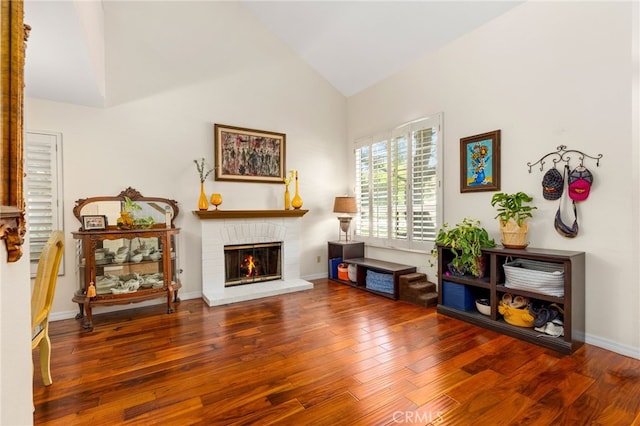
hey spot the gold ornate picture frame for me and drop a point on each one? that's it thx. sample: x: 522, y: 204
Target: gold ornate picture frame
x: 13, y: 38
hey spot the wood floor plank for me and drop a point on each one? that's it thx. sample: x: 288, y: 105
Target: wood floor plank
x: 384, y: 414
x: 552, y: 404
x: 438, y: 386
x: 382, y: 384
x: 503, y: 411
x: 273, y: 415
x: 328, y: 413
x: 315, y: 391
x: 432, y: 413
x: 332, y: 355
x: 176, y: 414
x: 454, y: 363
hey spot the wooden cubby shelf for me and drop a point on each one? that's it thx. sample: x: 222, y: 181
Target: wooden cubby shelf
x: 492, y: 286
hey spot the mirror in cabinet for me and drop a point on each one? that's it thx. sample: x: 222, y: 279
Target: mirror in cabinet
x: 121, y: 266
x: 162, y: 211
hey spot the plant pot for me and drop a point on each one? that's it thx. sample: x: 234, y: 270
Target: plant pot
x: 125, y: 221
x: 481, y: 266
x: 514, y: 236
x: 455, y: 271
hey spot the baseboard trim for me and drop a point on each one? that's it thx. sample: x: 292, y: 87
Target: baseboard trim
x: 612, y: 346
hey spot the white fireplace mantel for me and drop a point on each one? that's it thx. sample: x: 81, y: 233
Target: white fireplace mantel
x: 249, y: 227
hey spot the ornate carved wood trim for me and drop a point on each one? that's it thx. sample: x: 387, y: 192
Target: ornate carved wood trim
x: 12, y: 231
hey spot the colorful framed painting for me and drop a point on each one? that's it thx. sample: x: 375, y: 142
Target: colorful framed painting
x: 249, y: 155
x: 480, y: 162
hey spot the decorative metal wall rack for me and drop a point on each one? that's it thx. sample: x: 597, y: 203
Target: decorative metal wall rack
x: 562, y: 154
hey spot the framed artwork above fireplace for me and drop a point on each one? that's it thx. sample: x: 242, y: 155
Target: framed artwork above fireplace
x: 249, y: 155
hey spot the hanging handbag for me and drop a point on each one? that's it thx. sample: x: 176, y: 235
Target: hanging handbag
x: 562, y: 228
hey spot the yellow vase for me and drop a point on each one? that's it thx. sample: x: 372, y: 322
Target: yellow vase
x: 296, y: 202
x: 287, y: 198
x: 125, y: 221
x: 216, y: 200
x: 203, y: 204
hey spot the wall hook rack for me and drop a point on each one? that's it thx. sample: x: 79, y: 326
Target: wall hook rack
x: 562, y: 154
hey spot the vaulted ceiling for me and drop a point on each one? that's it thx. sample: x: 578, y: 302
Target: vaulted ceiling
x: 352, y: 44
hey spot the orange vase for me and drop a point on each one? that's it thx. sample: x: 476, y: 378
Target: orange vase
x: 203, y: 203
x: 296, y: 202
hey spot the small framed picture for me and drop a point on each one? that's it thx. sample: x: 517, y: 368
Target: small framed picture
x: 480, y: 162
x: 94, y: 223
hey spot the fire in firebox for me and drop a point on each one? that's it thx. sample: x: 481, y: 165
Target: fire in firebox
x: 248, y: 267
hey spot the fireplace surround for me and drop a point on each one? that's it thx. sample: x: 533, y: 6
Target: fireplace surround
x: 247, y: 228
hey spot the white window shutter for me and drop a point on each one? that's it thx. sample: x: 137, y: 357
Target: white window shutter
x: 43, y: 190
x: 397, y: 175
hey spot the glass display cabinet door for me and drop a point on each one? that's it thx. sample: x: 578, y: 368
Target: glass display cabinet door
x: 175, y: 258
x: 128, y: 265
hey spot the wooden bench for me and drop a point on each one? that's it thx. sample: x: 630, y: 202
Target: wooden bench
x: 394, y: 269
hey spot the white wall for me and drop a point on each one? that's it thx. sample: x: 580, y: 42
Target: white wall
x: 546, y: 74
x: 164, y: 98
x: 15, y: 342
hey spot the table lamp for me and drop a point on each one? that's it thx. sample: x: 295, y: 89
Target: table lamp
x: 345, y: 205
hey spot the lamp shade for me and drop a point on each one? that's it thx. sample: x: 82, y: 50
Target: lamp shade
x: 345, y: 205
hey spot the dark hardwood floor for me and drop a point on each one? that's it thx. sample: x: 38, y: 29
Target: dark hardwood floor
x: 333, y: 355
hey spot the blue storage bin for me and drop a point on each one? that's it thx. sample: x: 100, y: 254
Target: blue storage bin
x: 457, y: 296
x: 333, y: 267
x: 379, y: 282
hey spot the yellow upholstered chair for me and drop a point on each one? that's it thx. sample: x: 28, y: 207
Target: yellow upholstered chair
x: 42, y: 298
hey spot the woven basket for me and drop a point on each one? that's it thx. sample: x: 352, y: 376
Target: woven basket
x: 534, y: 275
x: 514, y: 236
x: 514, y: 239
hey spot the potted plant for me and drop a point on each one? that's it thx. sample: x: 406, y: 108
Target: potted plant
x: 513, y: 213
x: 127, y: 219
x: 143, y: 222
x: 466, y: 241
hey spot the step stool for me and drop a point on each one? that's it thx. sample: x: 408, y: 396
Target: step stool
x: 416, y: 289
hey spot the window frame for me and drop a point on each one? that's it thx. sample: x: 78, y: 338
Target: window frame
x: 390, y: 241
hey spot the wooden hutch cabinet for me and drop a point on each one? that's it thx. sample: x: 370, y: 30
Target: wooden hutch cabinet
x: 117, y: 266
